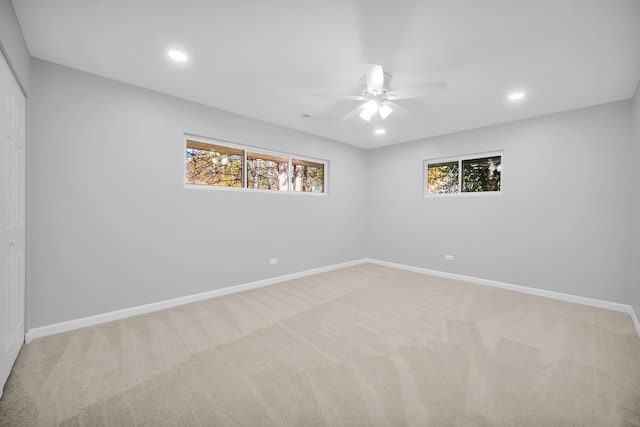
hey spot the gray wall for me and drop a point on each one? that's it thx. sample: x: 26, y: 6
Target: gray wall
x: 112, y: 225
x: 635, y: 212
x: 13, y: 46
x: 561, y: 224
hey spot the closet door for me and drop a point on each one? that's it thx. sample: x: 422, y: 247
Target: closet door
x: 12, y: 215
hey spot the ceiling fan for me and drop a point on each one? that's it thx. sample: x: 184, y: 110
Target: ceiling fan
x: 378, y: 96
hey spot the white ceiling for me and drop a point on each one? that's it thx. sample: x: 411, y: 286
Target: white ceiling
x: 267, y: 58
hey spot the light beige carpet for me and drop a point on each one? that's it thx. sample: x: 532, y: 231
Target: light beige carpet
x: 364, y: 345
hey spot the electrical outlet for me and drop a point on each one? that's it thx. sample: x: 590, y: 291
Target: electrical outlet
x: 273, y: 261
x: 448, y: 257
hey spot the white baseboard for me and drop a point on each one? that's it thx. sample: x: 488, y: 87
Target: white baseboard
x: 634, y: 317
x: 624, y: 308
x: 147, y: 308
x: 70, y: 325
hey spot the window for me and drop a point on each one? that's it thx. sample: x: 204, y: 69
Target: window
x: 481, y: 174
x: 267, y: 172
x: 213, y: 165
x: 208, y: 164
x: 308, y: 176
x: 443, y: 178
x: 466, y: 174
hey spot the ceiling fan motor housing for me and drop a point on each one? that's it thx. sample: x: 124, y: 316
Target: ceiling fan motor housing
x: 385, y: 86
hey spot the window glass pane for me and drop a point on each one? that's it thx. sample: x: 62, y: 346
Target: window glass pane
x: 307, y: 176
x: 481, y: 174
x: 208, y: 164
x: 443, y: 178
x: 267, y: 172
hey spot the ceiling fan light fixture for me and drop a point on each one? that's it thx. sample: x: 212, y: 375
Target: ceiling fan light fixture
x: 370, y: 108
x: 384, y: 111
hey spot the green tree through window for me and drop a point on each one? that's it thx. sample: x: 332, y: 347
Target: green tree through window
x: 443, y: 178
x: 481, y: 174
x: 464, y: 175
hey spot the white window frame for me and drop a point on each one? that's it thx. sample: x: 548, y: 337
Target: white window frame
x: 258, y: 150
x: 460, y: 159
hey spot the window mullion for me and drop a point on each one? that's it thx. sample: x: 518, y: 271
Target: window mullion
x: 245, y: 179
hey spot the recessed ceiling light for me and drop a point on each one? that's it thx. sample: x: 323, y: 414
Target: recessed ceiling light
x: 177, y: 55
x: 379, y: 131
x: 515, y: 96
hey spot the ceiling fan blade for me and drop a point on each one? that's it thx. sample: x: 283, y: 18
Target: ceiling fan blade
x: 417, y: 91
x: 351, y: 114
x: 397, y: 108
x: 339, y: 96
x: 375, y: 78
